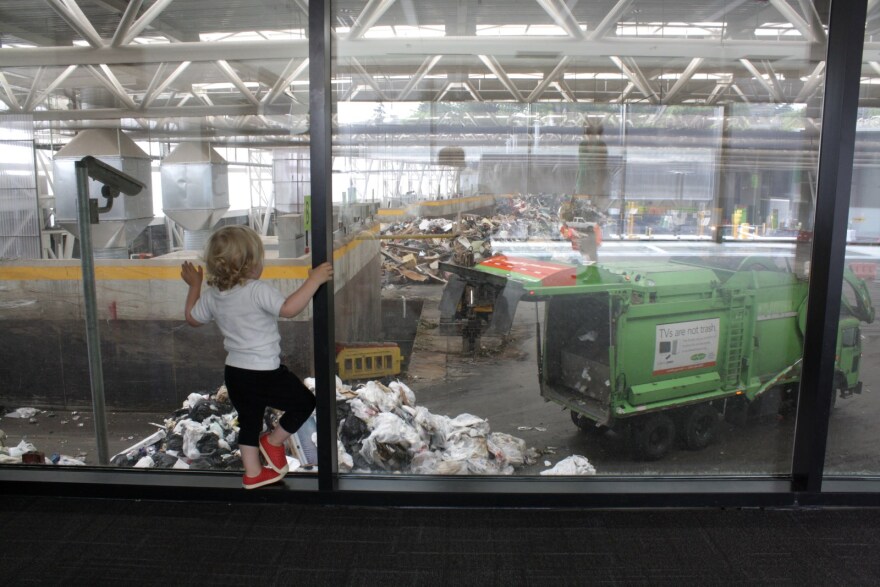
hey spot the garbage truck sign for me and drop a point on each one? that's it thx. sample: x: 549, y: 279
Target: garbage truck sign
x: 683, y: 346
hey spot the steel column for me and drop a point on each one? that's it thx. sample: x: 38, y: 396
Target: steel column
x: 836, y: 148
x: 93, y: 337
x: 320, y: 150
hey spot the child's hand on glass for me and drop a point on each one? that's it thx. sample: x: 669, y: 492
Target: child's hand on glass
x: 322, y: 273
x: 191, y: 274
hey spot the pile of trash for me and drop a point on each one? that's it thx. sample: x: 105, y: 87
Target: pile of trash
x: 201, y: 434
x: 380, y: 429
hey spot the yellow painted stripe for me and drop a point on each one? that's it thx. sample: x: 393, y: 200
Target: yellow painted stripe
x: 289, y: 272
x: 392, y: 212
x: 144, y: 272
x: 459, y: 201
x: 74, y: 273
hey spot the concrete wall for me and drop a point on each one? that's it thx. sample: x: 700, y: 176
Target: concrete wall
x: 442, y: 208
x: 151, y: 358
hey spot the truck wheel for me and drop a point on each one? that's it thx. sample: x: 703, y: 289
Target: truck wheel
x: 652, y: 437
x: 587, y: 425
x: 700, y: 426
x: 839, y: 388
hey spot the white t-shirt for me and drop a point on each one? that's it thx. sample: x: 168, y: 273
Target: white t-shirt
x: 248, y: 318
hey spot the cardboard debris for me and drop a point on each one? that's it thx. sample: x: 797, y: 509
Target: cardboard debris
x: 474, y: 238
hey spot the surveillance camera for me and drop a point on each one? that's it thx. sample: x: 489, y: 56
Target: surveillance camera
x: 110, y: 176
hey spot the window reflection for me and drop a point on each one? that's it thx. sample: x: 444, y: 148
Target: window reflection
x: 606, y: 246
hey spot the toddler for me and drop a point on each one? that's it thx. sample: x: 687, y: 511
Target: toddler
x: 246, y: 311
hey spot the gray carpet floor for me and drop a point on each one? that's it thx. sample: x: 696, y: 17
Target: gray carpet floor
x: 73, y: 541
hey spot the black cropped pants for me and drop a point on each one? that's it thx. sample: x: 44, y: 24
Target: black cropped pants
x: 252, y: 391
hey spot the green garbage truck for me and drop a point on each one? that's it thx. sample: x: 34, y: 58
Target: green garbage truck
x: 658, y: 350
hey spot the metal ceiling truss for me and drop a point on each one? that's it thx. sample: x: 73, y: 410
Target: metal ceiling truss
x: 555, y: 71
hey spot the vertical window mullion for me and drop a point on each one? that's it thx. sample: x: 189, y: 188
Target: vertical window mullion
x: 836, y: 148
x: 320, y: 109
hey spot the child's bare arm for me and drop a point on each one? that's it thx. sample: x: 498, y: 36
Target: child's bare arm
x: 298, y: 300
x: 192, y: 275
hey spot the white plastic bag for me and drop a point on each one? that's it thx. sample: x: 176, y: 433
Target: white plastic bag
x: 573, y: 465
x: 506, y: 448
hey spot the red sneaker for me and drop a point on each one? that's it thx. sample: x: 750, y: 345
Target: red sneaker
x: 275, y: 456
x: 265, y: 477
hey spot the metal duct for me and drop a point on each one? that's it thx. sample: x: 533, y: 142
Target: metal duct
x: 130, y: 215
x: 291, y: 178
x: 195, y: 188
x: 19, y: 209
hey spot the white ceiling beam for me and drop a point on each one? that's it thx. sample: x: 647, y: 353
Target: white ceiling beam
x: 367, y: 78
x: 565, y: 90
x: 51, y: 87
x: 469, y: 86
x: 791, y: 15
x: 742, y: 95
x: 492, y: 64
x: 725, y: 8
x: 812, y: 83
x: 154, y: 81
x: 443, y: 92
x: 610, y: 20
x: 625, y: 93
x: 70, y: 12
x: 774, y: 93
x: 550, y: 77
x: 426, y: 66
x: 124, y: 26
x: 120, y: 6
x: 11, y: 100
x: 230, y: 74
x: 562, y: 16
x: 632, y: 71
x: 372, y: 12
x: 148, y: 98
x: 717, y: 90
x: 641, y: 81
x: 498, y: 47
x: 290, y: 73
x: 109, y: 81
x: 151, y: 14
x: 774, y: 82
x: 33, y: 91
x: 683, y: 79
x: 174, y: 111
x: 811, y: 15
x: 303, y: 5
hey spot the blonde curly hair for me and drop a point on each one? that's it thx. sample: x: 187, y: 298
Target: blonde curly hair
x: 232, y: 256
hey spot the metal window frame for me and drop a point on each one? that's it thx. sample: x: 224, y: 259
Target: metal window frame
x: 805, y: 487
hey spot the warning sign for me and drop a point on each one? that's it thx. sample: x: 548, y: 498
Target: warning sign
x: 683, y: 346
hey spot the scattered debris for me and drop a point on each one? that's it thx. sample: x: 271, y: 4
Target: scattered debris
x: 573, y: 465
x: 25, y: 413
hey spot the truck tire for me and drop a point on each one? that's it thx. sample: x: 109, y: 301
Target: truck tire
x: 700, y: 426
x: 652, y: 436
x: 587, y: 425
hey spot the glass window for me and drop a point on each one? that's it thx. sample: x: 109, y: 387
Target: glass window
x: 589, y: 239
x: 208, y: 109
x: 851, y: 437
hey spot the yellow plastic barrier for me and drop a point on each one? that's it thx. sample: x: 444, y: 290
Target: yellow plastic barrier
x: 367, y: 361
